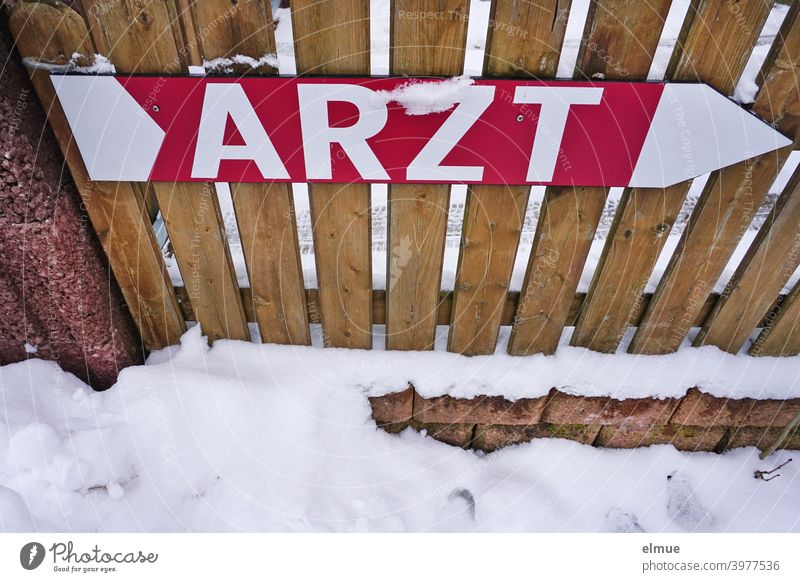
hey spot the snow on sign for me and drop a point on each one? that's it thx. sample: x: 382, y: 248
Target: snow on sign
x: 298, y: 129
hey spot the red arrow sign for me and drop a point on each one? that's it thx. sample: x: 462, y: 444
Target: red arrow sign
x: 405, y: 130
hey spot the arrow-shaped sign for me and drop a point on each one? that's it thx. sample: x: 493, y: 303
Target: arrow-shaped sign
x: 405, y: 130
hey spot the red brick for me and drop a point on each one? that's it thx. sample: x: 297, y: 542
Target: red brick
x: 393, y: 408
x: 683, y: 438
x: 750, y: 436
x: 634, y: 412
x: 492, y: 437
x: 481, y: 410
x: 458, y: 435
x: 700, y: 409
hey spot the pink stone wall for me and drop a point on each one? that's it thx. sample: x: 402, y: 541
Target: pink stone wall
x: 56, y: 291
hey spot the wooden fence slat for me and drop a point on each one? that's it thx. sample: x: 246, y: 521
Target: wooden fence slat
x: 225, y: 29
x: 52, y: 33
x: 714, y: 49
x: 773, y: 256
x: 333, y: 38
x: 494, y: 215
x: 417, y: 221
x: 769, y: 263
x: 268, y: 231
x: 621, y: 38
x: 621, y: 43
x: 564, y: 234
x: 264, y: 212
x: 640, y: 229
x: 781, y: 333
x: 147, y: 38
x: 777, y: 100
x: 525, y: 38
x: 492, y: 224
x: 569, y: 216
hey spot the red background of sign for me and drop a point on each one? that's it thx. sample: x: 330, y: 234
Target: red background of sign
x: 600, y: 147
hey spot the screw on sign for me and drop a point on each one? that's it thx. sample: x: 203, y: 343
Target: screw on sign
x: 395, y: 130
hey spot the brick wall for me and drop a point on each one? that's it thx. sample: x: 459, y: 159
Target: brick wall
x: 696, y: 422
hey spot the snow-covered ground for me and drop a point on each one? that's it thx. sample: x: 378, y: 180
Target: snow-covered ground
x: 262, y: 438
x: 476, y: 38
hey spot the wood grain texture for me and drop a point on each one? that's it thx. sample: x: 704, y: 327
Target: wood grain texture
x: 769, y: 263
x: 418, y: 213
x: 778, y: 101
x: 224, y: 29
x: 268, y: 231
x: 773, y: 256
x: 560, y: 247
x: 264, y: 212
x: 446, y: 304
x: 524, y: 38
x: 140, y: 36
x: 333, y: 38
x: 428, y: 46
x: 781, y: 333
x: 116, y: 210
x: 621, y: 38
x: 417, y: 216
x: 640, y: 229
x: 714, y: 49
x: 342, y: 223
x: 564, y: 234
x: 194, y: 222
x: 493, y: 220
x: 146, y: 37
x: 721, y: 217
x: 718, y: 41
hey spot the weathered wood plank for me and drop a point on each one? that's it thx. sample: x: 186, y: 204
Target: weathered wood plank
x: 778, y: 100
x: 225, y: 29
x: 51, y: 34
x: 775, y: 253
x: 264, y: 212
x: 492, y: 224
x: 418, y: 213
x: 714, y: 50
x: 769, y: 263
x: 494, y: 214
x: 333, y: 38
x: 564, y: 234
x: 417, y: 216
x: 621, y: 38
x: 781, y: 333
x: 147, y: 38
x: 620, y: 43
x: 718, y: 41
x: 446, y: 304
x: 641, y: 227
x: 525, y: 38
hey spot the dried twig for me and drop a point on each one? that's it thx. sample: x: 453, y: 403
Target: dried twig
x: 762, y: 474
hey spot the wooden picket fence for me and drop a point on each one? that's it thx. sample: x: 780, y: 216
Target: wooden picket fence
x: 332, y: 37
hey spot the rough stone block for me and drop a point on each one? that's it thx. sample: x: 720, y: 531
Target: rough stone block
x: 700, y: 409
x: 393, y: 408
x: 492, y: 437
x: 683, y: 438
x: 633, y: 412
x: 481, y: 410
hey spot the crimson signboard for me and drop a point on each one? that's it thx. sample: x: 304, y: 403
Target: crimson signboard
x: 397, y: 130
